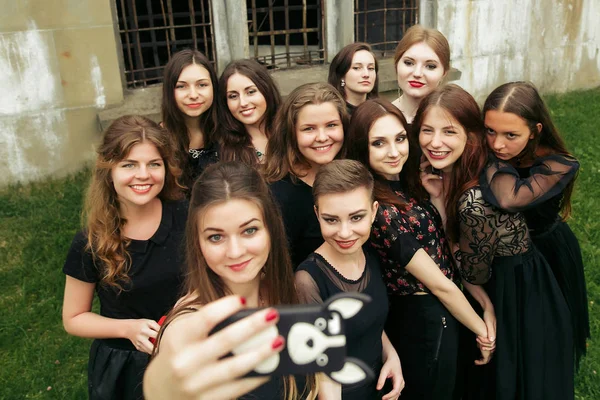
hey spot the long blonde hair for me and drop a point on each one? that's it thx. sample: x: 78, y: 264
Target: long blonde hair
x: 283, y: 155
x: 102, y: 214
x: 220, y: 183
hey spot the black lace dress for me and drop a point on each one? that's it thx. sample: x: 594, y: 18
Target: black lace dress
x: 534, y: 342
x: 537, y: 192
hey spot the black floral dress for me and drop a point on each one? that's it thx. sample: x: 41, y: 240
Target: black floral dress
x: 423, y: 331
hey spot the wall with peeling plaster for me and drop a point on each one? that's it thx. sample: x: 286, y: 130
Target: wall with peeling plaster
x: 58, y: 68
x: 553, y: 43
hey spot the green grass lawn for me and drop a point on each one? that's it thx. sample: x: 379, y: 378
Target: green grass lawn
x: 39, y: 360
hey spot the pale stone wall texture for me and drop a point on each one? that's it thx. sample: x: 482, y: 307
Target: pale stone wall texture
x: 58, y: 67
x: 553, y: 43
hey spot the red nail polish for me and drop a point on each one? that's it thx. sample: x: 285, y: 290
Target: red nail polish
x: 271, y: 315
x: 277, y: 343
x: 243, y: 301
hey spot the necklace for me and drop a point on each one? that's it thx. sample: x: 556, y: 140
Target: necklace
x: 259, y: 153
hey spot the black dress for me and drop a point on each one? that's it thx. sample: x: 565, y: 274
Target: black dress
x: 534, y: 343
x: 317, y: 280
x: 302, y: 228
x: 424, y: 333
x: 115, y: 367
x: 199, y: 159
x: 537, y: 192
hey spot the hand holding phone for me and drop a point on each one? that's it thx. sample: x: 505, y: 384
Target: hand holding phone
x: 315, y: 340
x: 190, y: 363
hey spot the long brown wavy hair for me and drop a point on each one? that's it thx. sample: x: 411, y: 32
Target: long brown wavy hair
x: 235, y: 142
x: 172, y: 117
x: 283, y: 155
x: 218, y: 184
x: 458, y: 103
x: 102, y: 212
x: 357, y: 143
x: 524, y: 100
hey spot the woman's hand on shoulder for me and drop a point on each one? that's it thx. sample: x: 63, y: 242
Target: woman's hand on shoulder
x: 189, y: 364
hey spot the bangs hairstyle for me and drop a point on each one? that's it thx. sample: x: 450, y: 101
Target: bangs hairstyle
x: 235, y: 142
x: 342, y: 176
x: 524, y: 100
x: 341, y: 63
x: 283, y: 155
x: 102, y: 213
x: 218, y: 184
x: 357, y: 144
x: 172, y: 117
x: 431, y: 37
x: 461, y: 106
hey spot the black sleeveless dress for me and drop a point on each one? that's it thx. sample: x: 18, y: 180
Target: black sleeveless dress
x: 534, y: 343
x: 537, y: 192
x: 317, y: 280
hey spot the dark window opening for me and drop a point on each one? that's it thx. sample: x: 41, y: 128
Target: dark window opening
x: 382, y: 23
x: 286, y: 33
x: 152, y: 30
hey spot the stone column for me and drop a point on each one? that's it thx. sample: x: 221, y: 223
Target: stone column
x: 339, y: 25
x: 230, y: 27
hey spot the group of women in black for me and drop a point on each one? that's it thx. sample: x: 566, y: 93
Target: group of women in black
x: 451, y: 219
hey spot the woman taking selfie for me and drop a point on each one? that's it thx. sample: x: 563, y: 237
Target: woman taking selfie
x: 235, y: 246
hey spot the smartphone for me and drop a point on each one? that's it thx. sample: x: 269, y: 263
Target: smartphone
x: 315, y: 340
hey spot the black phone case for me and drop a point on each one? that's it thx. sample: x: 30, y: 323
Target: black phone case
x: 315, y: 341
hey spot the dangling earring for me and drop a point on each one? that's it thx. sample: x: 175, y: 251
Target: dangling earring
x: 399, y: 92
x: 343, y: 83
x: 263, y: 274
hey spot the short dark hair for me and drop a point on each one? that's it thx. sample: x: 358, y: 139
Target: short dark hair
x: 342, y: 176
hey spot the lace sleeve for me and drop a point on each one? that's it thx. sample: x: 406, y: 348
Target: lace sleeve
x: 478, y: 237
x: 502, y: 186
x: 308, y: 291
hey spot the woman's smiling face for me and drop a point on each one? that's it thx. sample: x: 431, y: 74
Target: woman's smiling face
x: 319, y: 133
x: 442, y: 138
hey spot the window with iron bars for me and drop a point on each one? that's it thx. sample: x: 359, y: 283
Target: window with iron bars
x: 286, y: 33
x: 152, y: 30
x: 382, y: 23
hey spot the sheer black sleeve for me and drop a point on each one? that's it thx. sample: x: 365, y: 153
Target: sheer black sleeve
x: 503, y: 187
x: 479, y: 237
x: 307, y: 289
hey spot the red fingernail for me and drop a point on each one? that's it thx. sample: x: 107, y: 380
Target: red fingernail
x: 271, y: 315
x: 243, y: 301
x: 277, y: 343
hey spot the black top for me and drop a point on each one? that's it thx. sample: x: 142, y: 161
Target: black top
x: 317, y: 280
x: 199, y: 159
x: 536, y: 190
x: 487, y: 232
x: 156, y: 271
x: 350, y: 108
x: 274, y: 389
x: 397, y: 234
x: 301, y: 224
